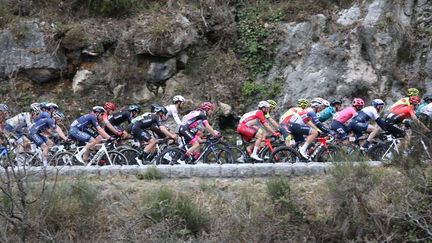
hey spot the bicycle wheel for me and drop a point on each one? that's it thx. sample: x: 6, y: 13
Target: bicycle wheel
x: 381, y: 151
x: 117, y: 158
x: 132, y: 155
x: 327, y: 155
x: 284, y: 154
x: 218, y: 155
x: 63, y: 158
x: 265, y: 154
x: 170, y: 156
x: 238, y: 155
x: 30, y: 159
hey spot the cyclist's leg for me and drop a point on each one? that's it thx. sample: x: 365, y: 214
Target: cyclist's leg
x: 81, y: 136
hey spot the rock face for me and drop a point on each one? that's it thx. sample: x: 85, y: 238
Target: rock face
x: 375, y: 49
x: 27, y: 50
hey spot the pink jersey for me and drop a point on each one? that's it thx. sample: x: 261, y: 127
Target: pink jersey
x: 345, y: 115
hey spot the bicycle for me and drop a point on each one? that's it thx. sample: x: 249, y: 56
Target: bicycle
x: 134, y: 155
x: 320, y: 151
x: 213, y: 152
x: 242, y: 155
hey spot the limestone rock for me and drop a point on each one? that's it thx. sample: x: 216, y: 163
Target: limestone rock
x: 79, y: 81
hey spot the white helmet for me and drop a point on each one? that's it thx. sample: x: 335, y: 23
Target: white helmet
x: 35, y: 107
x: 319, y: 102
x: 178, y: 98
x: 263, y: 103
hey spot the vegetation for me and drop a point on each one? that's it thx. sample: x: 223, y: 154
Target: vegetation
x: 152, y: 173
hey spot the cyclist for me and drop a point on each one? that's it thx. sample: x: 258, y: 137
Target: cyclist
x: 138, y: 129
x: 330, y: 111
x: 109, y: 107
x: 285, y: 118
x: 41, y: 126
x: 16, y: 125
x: 405, y: 101
x: 273, y: 106
x: 360, y: 123
x: 189, y: 127
x: 120, y: 117
x: 402, y: 114
x: 46, y: 110
x: 306, y: 123
x: 427, y: 99
x: 178, y: 103
x: 425, y: 113
x: 340, y: 121
x: 248, y: 128
x: 77, y: 131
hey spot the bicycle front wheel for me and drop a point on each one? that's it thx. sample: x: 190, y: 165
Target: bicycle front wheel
x: 113, y: 158
x: 284, y: 154
x: 218, y: 155
x: 63, y: 158
x: 170, y: 156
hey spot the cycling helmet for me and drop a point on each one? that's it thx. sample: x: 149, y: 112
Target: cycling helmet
x: 262, y: 104
x: 377, y: 102
x: 35, y: 107
x: 52, y: 106
x: 303, y: 103
x: 414, y: 100
x: 413, y: 92
x: 58, y: 114
x: 178, y: 98
x: 98, y: 109
x: 272, y: 103
x: 357, y: 102
x: 427, y: 98
x: 335, y: 102
x: 206, y: 106
x: 109, y: 106
x: 4, y: 107
x: 160, y: 109
x: 319, y: 102
x: 135, y: 108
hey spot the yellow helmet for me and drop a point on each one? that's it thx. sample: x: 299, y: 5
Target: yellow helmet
x: 272, y: 103
x: 413, y: 92
x: 303, y: 103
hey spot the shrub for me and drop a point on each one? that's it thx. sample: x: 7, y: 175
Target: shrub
x: 152, y: 173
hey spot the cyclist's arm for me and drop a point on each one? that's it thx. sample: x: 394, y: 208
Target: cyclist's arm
x: 209, y: 128
x: 176, y: 117
x: 110, y: 126
x: 165, y: 131
x: 102, y: 132
x: 60, y: 132
x: 272, y: 121
x: 317, y: 123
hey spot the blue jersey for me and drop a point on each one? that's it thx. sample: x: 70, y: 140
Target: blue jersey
x: 326, y: 114
x: 42, y: 125
x: 85, y: 121
x: 42, y: 115
x: 419, y: 108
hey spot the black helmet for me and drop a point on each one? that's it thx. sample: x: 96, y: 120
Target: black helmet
x: 427, y: 98
x: 135, y: 108
x: 335, y: 102
x: 160, y: 109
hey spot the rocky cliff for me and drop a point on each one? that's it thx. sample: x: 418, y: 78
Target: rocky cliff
x: 83, y: 52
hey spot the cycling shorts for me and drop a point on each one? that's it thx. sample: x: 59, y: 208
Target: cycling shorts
x: 141, y: 134
x: 189, y: 136
x: 81, y: 136
x: 298, y: 131
x: 341, y: 130
x: 358, y: 127
x: 247, y: 132
x: 38, y: 139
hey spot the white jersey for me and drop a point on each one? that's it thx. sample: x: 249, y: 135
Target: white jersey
x: 366, y: 114
x: 172, y: 112
x: 427, y: 110
x: 20, y: 121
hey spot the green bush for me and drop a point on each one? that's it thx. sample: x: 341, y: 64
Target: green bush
x: 152, y: 173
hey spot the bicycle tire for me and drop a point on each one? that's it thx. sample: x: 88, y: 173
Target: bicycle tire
x: 63, y: 158
x: 328, y: 154
x: 31, y: 160
x: 132, y: 155
x: 284, y: 154
x: 239, y: 156
x: 170, y: 156
x: 117, y: 158
x: 218, y: 155
x: 378, y: 151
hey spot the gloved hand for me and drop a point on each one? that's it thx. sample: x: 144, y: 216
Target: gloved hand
x: 110, y: 139
x: 276, y: 134
x: 119, y: 134
x: 216, y: 133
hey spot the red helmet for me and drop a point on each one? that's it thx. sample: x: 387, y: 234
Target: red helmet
x: 357, y: 102
x: 206, y: 106
x: 414, y: 100
x: 109, y: 106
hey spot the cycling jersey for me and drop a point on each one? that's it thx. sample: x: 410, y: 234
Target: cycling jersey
x: 172, y: 112
x: 284, y: 119
x: 252, y: 117
x: 359, y: 123
x: 400, y: 113
x: 345, y: 115
x: 190, y: 122
x: 326, y: 114
x: 403, y: 101
x: 427, y: 110
x: 305, y: 116
x: 139, y: 128
x: 18, y: 122
x: 85, y: 121
x: 38, y: 127
x: 420, y: 107
x: 42, y: 115
x: 119, y: 117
